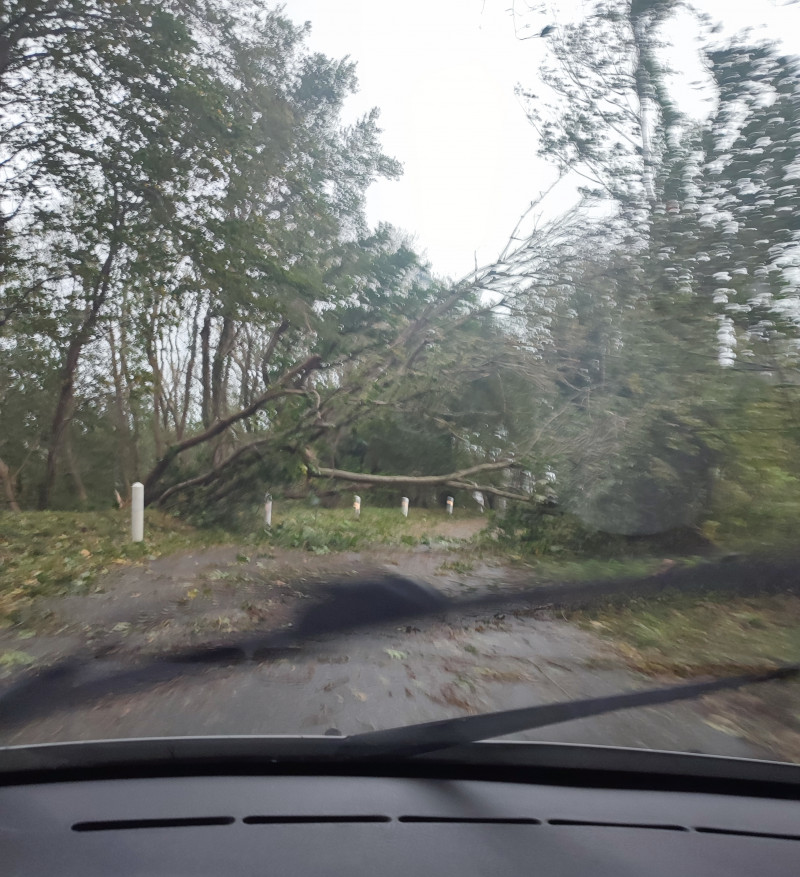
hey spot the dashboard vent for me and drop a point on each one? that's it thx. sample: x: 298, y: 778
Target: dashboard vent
x: 477, y: 820
x: 598, y: 824
x: 294, y: 820
x: 127, y: 824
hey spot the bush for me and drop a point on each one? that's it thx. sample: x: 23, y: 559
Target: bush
x: 548, y: 533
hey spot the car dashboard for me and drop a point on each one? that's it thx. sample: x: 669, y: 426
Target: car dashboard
x: 429, y: 816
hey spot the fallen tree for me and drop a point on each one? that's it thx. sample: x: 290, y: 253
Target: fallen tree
x: 459, y: 480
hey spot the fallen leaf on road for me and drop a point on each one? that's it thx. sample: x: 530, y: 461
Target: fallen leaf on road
x: 726, y: 726
x: 396, y: 655
x: 359, y: 695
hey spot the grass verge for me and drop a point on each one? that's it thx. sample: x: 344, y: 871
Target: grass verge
x: 691, y: 635
x: 49, y: 553
x: 322, y: 531
x: 716, y: 635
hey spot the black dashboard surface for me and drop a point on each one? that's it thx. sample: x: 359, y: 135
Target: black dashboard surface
x: 350, y: 825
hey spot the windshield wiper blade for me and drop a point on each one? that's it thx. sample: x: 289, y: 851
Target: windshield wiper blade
x: 404, y: 742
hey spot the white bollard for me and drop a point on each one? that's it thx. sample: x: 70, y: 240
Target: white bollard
x: 137, y: 512
x: 449, y: 505
x: 268, y: 510
x: 404, y: 506
x: 357, y: 506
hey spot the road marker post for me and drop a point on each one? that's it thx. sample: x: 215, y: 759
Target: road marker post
x: 449, y: 505
x: 404, y: 506
x: 137, y: 512
x: 357, y: 506
x: 268, y: 510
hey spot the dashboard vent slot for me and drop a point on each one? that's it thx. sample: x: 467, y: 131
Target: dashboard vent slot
x: 742, y: 833
x: 599, y: 824
x: 127, y: 824
x: 469, y: 820
x: 295, y: 820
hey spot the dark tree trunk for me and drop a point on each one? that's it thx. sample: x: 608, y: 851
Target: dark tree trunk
x: 205, y: 356
x: 78, y: 341
x: 61, y: 416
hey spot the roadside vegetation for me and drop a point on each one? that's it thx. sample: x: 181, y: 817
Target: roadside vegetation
x: 325, y: 530
x: 52, y: 553
x: 58, y: 553
x: 694, y: 635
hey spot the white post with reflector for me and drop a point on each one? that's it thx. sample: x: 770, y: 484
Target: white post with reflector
x: 404, y: 506
x: 449, y: 505
x: 357, y: 506
x: 268, y: 510
x: 137, y: 512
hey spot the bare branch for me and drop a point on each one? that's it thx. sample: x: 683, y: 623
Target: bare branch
x: 431, y: 480
x: 279, y: 389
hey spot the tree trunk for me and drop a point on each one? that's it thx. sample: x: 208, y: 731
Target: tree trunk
x: 133, y: 430
x: 219, y: 402
x: 205, y: 355
x: 75, y: 472
x: 8, y: 487
x: 66, y: 390
x: 644, y: 88
x: 187, y: 389
x: 63, y: 412
x: 281, y: 388
x: 123, y: 422
x: 460, y: 480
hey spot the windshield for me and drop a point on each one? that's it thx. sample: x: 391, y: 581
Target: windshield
x: 447, y: 351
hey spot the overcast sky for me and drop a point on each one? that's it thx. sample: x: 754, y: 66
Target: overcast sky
x: 443, y: 74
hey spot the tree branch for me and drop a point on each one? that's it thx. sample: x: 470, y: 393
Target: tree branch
x: 278, y: 390
x: 433, y: 480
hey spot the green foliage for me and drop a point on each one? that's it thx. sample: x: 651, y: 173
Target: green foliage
x: 322, y: 531
x: 209, y: 195
x: 298, y: 524
x: 548, y: 534
x: 13, y: 658
x: 757, y: 488
x: 536, y: 532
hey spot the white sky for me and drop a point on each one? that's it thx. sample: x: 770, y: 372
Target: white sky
x: 443, y: 74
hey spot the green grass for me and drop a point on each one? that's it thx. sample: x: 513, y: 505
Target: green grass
x: 48, y: 553
x: 576, y: 569
x: 692, y: 635
x: 591, y: 569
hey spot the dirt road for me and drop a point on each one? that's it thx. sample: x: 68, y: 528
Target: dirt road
x: 376, y: 679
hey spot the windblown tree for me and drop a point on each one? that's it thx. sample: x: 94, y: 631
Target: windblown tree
x: 685, y: 308
x: 106, y: 123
